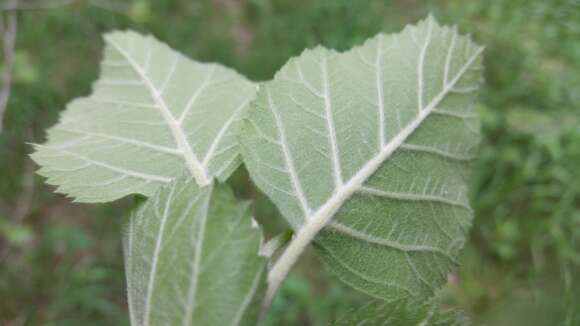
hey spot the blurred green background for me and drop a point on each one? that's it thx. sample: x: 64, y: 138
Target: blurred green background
x: 61, y: 263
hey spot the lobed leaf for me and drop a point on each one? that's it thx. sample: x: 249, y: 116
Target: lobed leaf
x: 152, y: 113
x: 374, y: 145
x: 191, y: 258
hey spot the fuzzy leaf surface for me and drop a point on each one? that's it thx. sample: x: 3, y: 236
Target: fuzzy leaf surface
x: 374, y: 145
x: 153, y: 112
x: 191, y: 258
x: 402, y: 313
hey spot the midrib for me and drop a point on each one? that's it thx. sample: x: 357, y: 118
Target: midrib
x: 156, y: 252
x: 196, y: 265
x: 129, y: 272
x: 324, y: 214
x: 192, y: 163
x: 327, y: 211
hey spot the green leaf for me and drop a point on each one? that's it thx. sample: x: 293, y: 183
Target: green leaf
x: 402, y: 313
x: 191, y: 257
x: 152, y: 113
x: 373, y: 145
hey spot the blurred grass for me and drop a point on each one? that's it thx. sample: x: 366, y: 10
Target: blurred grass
x: 61, y: 263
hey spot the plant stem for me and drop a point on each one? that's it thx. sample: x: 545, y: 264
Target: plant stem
x: 302, y: 239
x: 283, y: 265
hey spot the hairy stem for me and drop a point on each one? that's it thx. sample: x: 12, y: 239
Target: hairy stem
x: 283, y: 265
x: 306, y: 234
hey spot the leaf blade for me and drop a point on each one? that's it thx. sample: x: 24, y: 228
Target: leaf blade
x: 403, y: 312
x: 192, y: 258
x: 334, y: 135
x: 152, y: 113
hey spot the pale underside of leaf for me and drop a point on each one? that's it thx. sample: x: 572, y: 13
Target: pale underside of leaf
x: 192, y: 258
x: 153, y: 113
x: 373, y: 144
x: 402, y: 312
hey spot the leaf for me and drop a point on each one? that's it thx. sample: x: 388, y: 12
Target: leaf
x: 152, y: 113
x: 374, y: 146
x: 403, y: 313
x: 191, y: 257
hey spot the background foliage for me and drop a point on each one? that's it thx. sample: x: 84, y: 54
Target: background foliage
x: 61, y: 263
